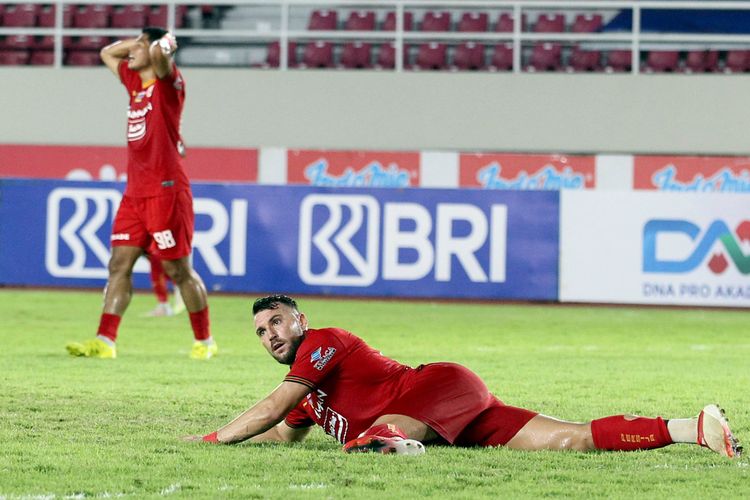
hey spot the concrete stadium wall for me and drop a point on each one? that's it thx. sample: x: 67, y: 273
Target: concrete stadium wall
x: 598, y: 113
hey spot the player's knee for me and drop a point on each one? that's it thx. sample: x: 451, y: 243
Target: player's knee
x: 177, y: 271
x: 119, y: 267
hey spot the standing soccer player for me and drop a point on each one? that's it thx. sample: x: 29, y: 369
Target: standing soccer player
x: 156, y: 211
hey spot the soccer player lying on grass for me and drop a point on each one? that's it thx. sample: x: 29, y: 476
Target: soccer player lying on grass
x: 369, y: 402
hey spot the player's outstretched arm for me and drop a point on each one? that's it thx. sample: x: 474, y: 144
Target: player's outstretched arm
x: 261, y: 417
x: 282, y: 433
x: 113, y: 53
x: 161, y: 52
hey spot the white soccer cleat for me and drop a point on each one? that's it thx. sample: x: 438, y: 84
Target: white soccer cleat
x: 714, y: 432
x: 162, y: 309
x: 386, y: 445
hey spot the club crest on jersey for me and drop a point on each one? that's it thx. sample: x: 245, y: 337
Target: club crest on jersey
x: 323, y: 360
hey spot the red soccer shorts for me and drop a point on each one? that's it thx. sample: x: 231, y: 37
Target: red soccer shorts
x: 160, y: 225
x: 454, y: 401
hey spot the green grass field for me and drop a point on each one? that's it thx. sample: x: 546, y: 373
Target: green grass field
x: 80, y: 428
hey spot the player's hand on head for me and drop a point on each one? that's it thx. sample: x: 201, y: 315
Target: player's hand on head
x: 168, y: 43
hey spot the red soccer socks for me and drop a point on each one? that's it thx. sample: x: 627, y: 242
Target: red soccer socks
x: 628, y: 433
x: 108, y: 325
x: 199, y: 322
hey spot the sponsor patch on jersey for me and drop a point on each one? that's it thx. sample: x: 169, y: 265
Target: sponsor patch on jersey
x: 120, y: 237
x: 315, y: 355
x: 323, y: 361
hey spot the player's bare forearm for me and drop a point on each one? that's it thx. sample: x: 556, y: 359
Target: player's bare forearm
x: 113, y: 53
x: 161, y: 52
x: 264, y: 415
x: 281, y: 433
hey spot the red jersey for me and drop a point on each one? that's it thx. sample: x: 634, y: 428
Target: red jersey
x: 352, y: 383
x: 154, y: 161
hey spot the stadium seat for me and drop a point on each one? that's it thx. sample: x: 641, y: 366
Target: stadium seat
x: 587, y: 23
x: 387, y: 56
x: 82, y: 58
x: 584, y: 60
x: 318, y: 54
x: 19, y: 42
x: 157, y: 16
x: 2, y: 11
x: 273, y: 56
x: 389, y: 24
x: 473, y: 22
x: 545, y: 56
x: 502, y: 57
x: 618, y: 61
x: 662, y: 61
x: 14, y: 57
x: 46, y: 18
x: 505, y: 23
x: 701, y: 61
x: 93, y: 43
x: 550, y: 23
x: 356, y: 55
x: 92, y: 16
x: 323, y: 20
x: 42, y: 58
x: 22, y: 15
x: 737, y: 61
x: 436, y: 21
x: 431, y: 56
x: 46, y: 42
x: 360, y: 20
x: 129, y: 16
x: 468, y: 56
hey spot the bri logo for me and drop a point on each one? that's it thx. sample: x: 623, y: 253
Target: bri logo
x: 315, y: 355
x: 663, y: 238
x: 547, y: 178
x: 723, y: 181
x: 371, y: 175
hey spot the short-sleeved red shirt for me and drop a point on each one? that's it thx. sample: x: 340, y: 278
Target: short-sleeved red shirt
x: 154, y: 113
x: 351, y: 383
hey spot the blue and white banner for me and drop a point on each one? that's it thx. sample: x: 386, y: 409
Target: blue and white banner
x: 249, y: 238
x: 655, y: 248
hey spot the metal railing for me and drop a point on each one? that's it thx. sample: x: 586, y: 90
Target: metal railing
x: 635, y: 40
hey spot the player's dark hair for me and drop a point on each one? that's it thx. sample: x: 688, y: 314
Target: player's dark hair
x: 272, y: 302
x: 153, y: 33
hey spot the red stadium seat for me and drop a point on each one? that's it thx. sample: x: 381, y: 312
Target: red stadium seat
x: 502, y: 57
x: 584, y: 60
x: 436, y: 21
x: 505, y: 23
x: 473, y: 22
x: 42, y: 58
x: 545, y: 56
x: 619, y: 61
x: 390, y: 21
x: 587, y: 23
x: 360, y: 20
x: 387, y: 56
x: 129, y: 16
x: 325, y: 20
x: 46, y: 18
x: 273, y: 56
x: 737, y: 61
x: 46, y: 42
x: 431, y: 56
x: 318, y: 54
x: 157, y: 16
x: 20, y: 15
x: 550, y: 23
x: 469, y: 56
x: 19, y: 42
x: 90, y: 43
x: 14, y: 57
x: 701, y: 61
x: 662, y: 61
x: 92, y: 16
x: 82, y: 58
x: 356, y: 55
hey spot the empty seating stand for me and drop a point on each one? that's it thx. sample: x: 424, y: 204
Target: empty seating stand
x: 469, y: 56
x: 473, y: 22
x: 317, y: 54
x: 323, y: 20
x: 356, y: 55
x: 129, y: 16
x: 92, y: 16
x: 662, y: 61
x: 389, y: 24
x: 502, y: 57
x: 359, y: 20
x: 431, y: 56
x: 701, y: 61
x: 436, y: 21
x: 737, y: 61
x: 273, y: 55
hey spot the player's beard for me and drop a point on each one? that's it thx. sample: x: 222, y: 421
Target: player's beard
x: 289, y: 357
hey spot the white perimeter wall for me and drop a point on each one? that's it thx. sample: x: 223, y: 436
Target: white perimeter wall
x: 382, y: 110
